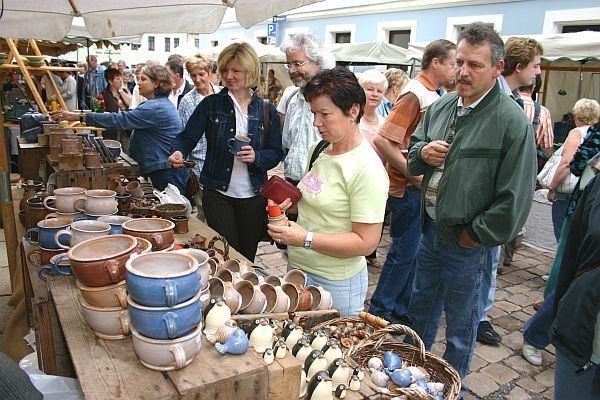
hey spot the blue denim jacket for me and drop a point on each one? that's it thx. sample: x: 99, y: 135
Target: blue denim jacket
x: 155, y: 123
x: 215, y: 118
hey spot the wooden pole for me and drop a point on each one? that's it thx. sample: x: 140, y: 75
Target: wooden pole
x: 546, y: 79
x: 49, y: 76
x: 6, y: 207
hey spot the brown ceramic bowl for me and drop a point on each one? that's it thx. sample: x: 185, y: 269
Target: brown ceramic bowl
x: 105, y: 296
x: 157, y: 230
x: 101, y: 261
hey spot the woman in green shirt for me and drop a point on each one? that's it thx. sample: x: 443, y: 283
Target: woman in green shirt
x: 341, y: 211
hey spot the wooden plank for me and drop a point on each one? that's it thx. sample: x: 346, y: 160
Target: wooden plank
x: 27, y: 76
x: 212, y: 376
x: 107, y: 369
x: 284, y: 378
x: 49, y: 75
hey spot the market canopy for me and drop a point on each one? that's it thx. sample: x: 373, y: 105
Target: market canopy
x: 79, y: 35
x: 52, y: 20
x: 266, y: 53
x: 378, y: 52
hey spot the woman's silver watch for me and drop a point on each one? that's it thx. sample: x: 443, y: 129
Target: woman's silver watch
x: 308, y: 241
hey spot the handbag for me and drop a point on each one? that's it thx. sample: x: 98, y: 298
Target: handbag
x: 278, y: 190
x: 547, y: 173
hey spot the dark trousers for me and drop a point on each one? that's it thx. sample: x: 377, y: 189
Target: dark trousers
x: 241, y: 221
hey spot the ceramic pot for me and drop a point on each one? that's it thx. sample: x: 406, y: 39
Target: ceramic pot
x: 166, y: 322
x: 277, y: 300
x: 273, y: 280
x: 116, y: 187
x: 42, y: 256
x: 144, y: 246
x: 203, y: 265
x: 291, y: 291
x: 162, y: 279
x: 101, y: 261
x: 157, y: 230
x: 81, y: 231
x: 252, y: 277
x: 46, y: 230
x: 97, y: 202
x: 123, y: 201
x: 115, y: 222
x: 64, y: 199
x: 134, y: 189
x: 34, y: 212
x: 296, y: 277
x: 55, y: 268
x: 226, y: 289
x: 70, y: 216
x: 304, y: 297
x: 181, y: 224
x: 105, y: 296
x: 95, y: 217
x: 92, y: 160
x: 322, y: 299
x: 253, y: 300
x: 109, y: 323
x: 30, y: 188
x: 200, y: 242
x: 167, y: 355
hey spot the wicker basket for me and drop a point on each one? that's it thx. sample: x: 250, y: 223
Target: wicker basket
x: 372, y: 320
x: 170, y: 210
x: 225, y: 251
x: 380, y: 342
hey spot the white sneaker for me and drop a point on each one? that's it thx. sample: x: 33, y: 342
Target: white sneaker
x: 531, y: 354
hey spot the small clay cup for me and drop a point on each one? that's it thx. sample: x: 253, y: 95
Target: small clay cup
x: 232, y: 298
x: 117, y: 187
x: 277, y: 300
x: 81, y: 231
x: 64, y: 199
x: 292, y: 293
x: 253, y: 300
x: 304, y: 296
x: 322, y: 299
x: 97, y: 202
x: 105, y: 296
x: 227, y: 276
x: 252, y: 277
x: 181, y: 224
x: 273, y: 280
x: 110, y: 323
x: 123, y: 201
x: 296, y: 277
x: 92, y: 160
x: 134, y: 189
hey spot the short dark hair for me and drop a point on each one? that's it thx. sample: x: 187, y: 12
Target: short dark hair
x: 175, y: 66
x: 479, y: 33
x: 161, y: 77
x: 340, y: 85
x: 111, y: 74
x: 439, y: 49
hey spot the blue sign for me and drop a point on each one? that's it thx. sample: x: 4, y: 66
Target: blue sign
x: 279, y: 18
x: 272, y: 30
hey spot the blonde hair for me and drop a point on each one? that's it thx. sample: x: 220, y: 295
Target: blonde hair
x: 198, y: 61
x: 246, y: 58
x: 396, y: 77
x: 372, y: 76
x: 587, y: 111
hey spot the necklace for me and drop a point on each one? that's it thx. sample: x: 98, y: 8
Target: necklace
x: 371, y: 120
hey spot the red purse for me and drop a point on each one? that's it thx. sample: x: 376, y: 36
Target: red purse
x: 278, y: 190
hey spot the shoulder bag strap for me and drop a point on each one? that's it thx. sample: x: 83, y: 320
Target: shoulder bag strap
x: 266, y: 121
x: 322, y: 145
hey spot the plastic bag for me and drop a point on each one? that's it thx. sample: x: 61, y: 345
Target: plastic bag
x: 172, y: 195
x: 50, y: 386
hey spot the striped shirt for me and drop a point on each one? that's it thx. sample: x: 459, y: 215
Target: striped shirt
x: 544, y: 137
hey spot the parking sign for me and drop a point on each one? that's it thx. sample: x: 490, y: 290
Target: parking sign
x: 272, y: 30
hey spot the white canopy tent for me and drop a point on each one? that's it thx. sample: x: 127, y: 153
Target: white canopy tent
x: 266, y: 54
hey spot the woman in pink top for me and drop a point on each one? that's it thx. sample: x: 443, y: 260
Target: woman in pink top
x: 374, y: 83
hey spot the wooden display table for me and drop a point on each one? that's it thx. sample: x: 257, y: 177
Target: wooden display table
x: 31, y: 155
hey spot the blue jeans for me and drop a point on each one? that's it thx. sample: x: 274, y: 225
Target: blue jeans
x: 488, y: 296
x: 394, y: 288
x: 451, y: 277
x: 569, y: 385
x: 348, y: 295
x: 559, y: 211
x: 535, y: 331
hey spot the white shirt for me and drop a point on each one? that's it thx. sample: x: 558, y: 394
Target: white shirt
x: 136, y: 98
x: 174, y: 96
x: 283, y: 102
x: 240, y: 186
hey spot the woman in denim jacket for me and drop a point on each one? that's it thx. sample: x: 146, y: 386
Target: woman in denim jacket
x: 231, y: 181
x: 155, y: 123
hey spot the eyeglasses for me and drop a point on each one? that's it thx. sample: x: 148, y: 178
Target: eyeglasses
x: 296, y: 64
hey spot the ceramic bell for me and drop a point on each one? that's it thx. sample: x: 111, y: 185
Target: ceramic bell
x: 400, y: 377
x: 279, y: 348
x: 358, y: 372
x: 339, y: 371
x: 375, y: 363
x: 223, y: 333
x: 236, y: 344
x: 332, y: 350
x: 302, y: 350
x: 339, y: 392
x: 318, y: 339
x: 314, y: 363
x: 391, y: 361
x: 319, y: 387
x: 354, y: 383
x: 379, y: 378
x: 216, y: 315
x: 268, y: 356
x: 292, y: 332
x: 261, y: 335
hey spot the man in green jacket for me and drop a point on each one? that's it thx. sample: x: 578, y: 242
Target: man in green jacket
x: 476, y: 152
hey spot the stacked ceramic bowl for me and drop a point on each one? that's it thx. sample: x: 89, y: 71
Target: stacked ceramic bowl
x: 157, y: 231
x: 96, y: 203
x: 99, y: 265
x: 165, y: 309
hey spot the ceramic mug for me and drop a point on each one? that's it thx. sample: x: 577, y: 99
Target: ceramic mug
x: 123, y: 201
x: 203, y: 265
x: 46, y: 230
x: 162, y: 279
x: 226, y: 289
x: 322, y: 299
x: 236, y: 143
x: 295, y: 276
x: 273, y: 280
x: 291, y: 291
x: 55, y: 268
x: 304, y: 296
x: 115, y: 222
x: 109, y: 323
x: 227, y: 276
x: 64, y: 198
x: 80, y: 231
x: 277, y: 300
x: 97, y: 202
x: 116, y: 187
x: 253, y: 300
x: 105, y: 296
x: 134, y: 189
x: 167, y: 355
x: 166, y: 322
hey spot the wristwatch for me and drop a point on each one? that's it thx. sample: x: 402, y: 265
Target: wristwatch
x: 308, y: 241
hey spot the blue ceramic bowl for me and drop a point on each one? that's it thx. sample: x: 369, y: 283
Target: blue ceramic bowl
x: 166, y: 322
x: 113, y: 146
x: 115, y: 222
x: 162, y: 279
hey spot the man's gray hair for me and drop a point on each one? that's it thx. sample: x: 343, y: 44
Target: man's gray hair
x: 479, y: 33
x: 311, y: 46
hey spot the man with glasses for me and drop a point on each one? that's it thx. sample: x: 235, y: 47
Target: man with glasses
x: 305, y: 57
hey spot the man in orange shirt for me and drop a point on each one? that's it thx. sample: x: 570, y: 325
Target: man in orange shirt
x: 394, y: 288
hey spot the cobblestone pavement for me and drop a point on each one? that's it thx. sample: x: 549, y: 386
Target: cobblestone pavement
x: 497, y: 372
